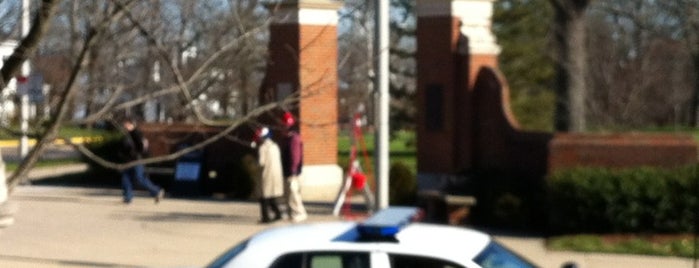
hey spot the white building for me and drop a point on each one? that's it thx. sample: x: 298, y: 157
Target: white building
x: 7, y: 106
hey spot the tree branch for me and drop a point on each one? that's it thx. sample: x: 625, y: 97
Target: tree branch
x: 29, y: 43
x: 64, y: 106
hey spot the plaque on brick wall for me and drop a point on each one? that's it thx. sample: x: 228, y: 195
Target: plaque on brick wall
x: 284, y: 90
x: 434, y: 104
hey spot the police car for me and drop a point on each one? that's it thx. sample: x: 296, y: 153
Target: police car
x: 389, y: 238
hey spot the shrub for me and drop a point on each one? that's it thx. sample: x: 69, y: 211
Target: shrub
x: 508, y: 200
x: 107, y: 148
x: 402, y: 185
x: 603, y: 200
x: 248, y: 176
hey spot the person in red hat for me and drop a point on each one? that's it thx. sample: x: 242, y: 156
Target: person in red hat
x: 292, y: 162
x: 271, y: 180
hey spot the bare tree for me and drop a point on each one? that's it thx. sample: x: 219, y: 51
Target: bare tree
x: 569, y: 43
x: 356, y: 63
x: 31, y: 40
x: 168, y: 57
x: 685, y: 22
x: 639, y: 74
x: 29, y: 43
x: 121, y: 44
x: 355, y: 67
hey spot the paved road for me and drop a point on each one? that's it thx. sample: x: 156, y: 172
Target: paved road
x: 89, y: 227
x: 83, y: 227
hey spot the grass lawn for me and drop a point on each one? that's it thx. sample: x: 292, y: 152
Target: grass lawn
x: 681, y: 245
x: 401, y: 149
x: 67, y: 132
x: 12, y: 166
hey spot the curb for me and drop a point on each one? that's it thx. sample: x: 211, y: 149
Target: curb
x: 47, y: 172
x: 32, y: 142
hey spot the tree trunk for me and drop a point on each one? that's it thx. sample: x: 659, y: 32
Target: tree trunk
x: 569, y: 42
x: 578, y: 86
x: 55, y: 123
x: 562, y: 78
x: 695, y: 95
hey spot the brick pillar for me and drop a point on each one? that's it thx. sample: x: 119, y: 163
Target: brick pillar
x: 441, y: 74
x: 303, y: 59
x: 453, y: 41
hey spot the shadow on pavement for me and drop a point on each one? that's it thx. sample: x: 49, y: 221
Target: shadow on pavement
x: 67, y: 263
x: 187, y: 217
x: 86, y: 179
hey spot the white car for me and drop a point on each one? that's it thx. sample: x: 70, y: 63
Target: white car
x: 390, y: 238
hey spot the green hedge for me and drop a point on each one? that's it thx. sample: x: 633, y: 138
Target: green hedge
x: 107, y: 148
x: 402, y: 188
x: 599, y: 200
x: 508, y: 201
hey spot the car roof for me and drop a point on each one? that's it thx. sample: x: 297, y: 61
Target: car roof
x: 422, y: 239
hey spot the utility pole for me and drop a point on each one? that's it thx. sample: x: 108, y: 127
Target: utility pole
x: 24, y: 96
x: 381, y: 51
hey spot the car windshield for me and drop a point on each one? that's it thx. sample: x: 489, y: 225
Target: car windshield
x: 497, y: 256
x: 228, y: 255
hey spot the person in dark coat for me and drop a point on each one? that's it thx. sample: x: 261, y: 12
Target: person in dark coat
x: 134, y: 148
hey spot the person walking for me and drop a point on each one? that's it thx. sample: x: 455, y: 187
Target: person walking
x: 271, y: 184
x: 292, y: 161
x: 133, y: 148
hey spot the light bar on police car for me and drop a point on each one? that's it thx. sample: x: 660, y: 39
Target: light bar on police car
x: 388, y: 222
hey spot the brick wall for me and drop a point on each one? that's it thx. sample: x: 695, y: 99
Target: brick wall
x: 476, y: 129
x: 283, y: 63
x: 621, y: 150
x: 304, y: 58
x: 437, y: 42
x: 319, y: 106
x: 222, y: 157
x: 479, y: 60
x: 500, y: 145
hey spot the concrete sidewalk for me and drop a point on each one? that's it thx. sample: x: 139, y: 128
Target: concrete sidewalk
x: 90, y: 227
x: 83, y: 227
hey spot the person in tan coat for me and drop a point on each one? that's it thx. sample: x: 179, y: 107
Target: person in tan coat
x: 272, y: 180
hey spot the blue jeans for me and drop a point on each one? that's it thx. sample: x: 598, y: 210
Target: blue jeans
x: 136, y: 174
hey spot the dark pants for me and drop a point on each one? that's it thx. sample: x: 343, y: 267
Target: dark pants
x: 136, y: 174
x: 265, y: 205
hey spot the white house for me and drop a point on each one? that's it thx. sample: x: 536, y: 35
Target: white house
x: 7, y: 106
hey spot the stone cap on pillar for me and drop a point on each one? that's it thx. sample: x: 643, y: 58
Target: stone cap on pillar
x: 476, y: 20
x: 313, y: 12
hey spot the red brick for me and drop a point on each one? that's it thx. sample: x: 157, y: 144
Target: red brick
x: 306, y: 57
